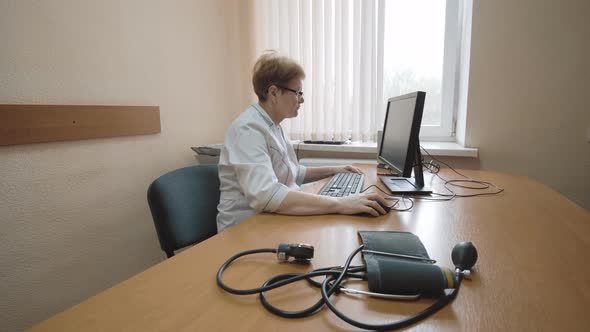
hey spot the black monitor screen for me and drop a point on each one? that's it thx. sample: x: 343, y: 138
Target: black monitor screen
x: 400, y: 132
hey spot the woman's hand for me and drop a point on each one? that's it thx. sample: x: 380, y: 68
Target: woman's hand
x: 320, y: 172
x: 347, y: 168
x: 371, y: 203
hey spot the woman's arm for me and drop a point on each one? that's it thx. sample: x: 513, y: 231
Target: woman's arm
x: 302, y: 203
x: 318, y: 173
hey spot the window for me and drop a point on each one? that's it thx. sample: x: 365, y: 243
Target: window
x: 357, y: 54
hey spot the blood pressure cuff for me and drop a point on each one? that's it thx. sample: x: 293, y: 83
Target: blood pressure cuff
x: 403, y: 243
x: 396, y: 275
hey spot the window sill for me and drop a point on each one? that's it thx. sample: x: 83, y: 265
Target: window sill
x: 439, y: 149
x: 443, y: 149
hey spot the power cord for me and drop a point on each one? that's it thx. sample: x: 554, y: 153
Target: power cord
x: 435, y: 169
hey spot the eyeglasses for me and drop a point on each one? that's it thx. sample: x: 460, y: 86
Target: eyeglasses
x: 299, y: 94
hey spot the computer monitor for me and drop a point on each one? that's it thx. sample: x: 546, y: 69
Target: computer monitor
x: 400, y: 145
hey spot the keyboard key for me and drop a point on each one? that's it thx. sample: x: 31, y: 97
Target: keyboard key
x: 343, y: 184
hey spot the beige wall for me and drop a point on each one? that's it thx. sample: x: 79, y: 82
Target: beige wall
x: 529, y: 106
x: 74, y: 218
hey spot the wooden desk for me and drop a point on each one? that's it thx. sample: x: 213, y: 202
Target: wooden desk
x: 532, y: 272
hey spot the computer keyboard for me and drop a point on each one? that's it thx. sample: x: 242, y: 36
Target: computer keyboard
x: 343, y: 184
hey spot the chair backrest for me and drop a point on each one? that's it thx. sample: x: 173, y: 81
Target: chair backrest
x: 184, y: 206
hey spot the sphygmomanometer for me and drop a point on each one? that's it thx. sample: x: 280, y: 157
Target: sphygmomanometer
x: 396, y: 267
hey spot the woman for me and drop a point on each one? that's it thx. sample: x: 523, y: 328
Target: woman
x: 258, y: 169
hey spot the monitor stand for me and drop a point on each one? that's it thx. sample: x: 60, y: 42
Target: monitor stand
x: 408, y: 185
x: 404, y: 186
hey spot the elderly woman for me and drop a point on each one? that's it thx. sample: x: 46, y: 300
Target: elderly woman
x: 258, y: 169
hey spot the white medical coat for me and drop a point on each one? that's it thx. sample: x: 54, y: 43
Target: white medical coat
x: 257, y: 168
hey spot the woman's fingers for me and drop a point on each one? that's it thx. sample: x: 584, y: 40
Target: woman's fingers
x: 368, y: 209
x: 376, y: 206
x: 370, y: 203
x: 353, y: 169
x: 379, y: 198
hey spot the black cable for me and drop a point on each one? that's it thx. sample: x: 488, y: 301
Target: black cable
x: 435, y: 169
x: 369, y: 187
x: 442, y: 162
x: 270, y: 286
x: 432, y: 168
x: 403, y: 200
x: 454, y: 182
x: 319, y: 304
x: 282, y: 280
x: 442, y: 301
x: 229, y: 261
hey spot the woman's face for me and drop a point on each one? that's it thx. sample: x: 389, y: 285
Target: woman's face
x: 290, y: 99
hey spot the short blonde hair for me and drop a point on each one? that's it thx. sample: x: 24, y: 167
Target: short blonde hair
x: 273, y: 68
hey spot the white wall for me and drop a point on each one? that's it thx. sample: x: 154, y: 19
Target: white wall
x: 74, y: 218
x: 529, y: 106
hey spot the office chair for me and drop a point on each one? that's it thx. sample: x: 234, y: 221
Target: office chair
x: 184, y: 206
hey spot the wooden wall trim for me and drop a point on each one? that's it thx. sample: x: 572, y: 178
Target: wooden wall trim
x: 24, y: 124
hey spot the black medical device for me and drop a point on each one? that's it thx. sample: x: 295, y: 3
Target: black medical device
x: 397, y: 267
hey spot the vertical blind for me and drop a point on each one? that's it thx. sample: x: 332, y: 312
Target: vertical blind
x: 339, y: 43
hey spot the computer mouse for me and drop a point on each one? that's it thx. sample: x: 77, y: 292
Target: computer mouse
x: 385, y: 207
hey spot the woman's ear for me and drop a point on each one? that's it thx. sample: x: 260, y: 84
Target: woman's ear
x: 273, y: 92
